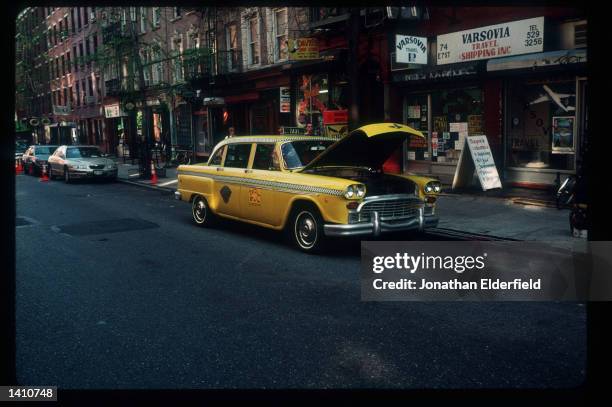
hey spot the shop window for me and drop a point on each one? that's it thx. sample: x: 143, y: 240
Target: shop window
x: 312, y: 100
x: 541, y: 125
x: 456, y: 114
x: 415, y: 114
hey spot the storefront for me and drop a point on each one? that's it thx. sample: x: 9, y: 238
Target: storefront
x: 530, y: 105
x: 545, y: 115
x: 446, y: 104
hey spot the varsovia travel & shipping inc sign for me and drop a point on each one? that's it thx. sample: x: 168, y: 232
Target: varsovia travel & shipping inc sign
x: 499, y: 40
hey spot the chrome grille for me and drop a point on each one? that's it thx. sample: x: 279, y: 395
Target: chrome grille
x: 388, y: 209
x: 97, y: 167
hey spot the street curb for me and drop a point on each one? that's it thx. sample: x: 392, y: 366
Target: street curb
x: 138, y: 184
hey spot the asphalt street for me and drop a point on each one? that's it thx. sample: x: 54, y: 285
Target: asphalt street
x: 116, y: 288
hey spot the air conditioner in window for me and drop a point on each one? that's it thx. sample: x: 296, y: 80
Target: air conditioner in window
x: 92, y: 16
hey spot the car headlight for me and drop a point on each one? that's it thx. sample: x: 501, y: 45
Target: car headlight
x: 433, y: 187
x: 355, y: 191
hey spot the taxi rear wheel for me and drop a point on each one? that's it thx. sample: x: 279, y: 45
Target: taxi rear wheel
x: 200, y: 211
x: 306, y: 229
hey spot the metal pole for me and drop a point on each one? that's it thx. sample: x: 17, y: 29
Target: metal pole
x: 353, y: 68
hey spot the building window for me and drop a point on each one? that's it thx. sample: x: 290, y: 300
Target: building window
x: 71, y: 91
x: 280, y: 32
x: 95, y: 43
x: 78, y: 94
x: 253, y: 41
x: 57, y: 67
x: 63, y: 65
x: 84, y: 91
x: 177, y: 12
x: 143, y: 19
x: 156, y: 16
x: 54, y: 35
x: 541, y: 126
x: 79, y: 25
x: 231, y: 42
x: 68, y: 62
x: 82, y: 54
x: 133, y: 14
x: 76, y: 57
x: 90, y: 84
x: 312, y: 100
x: 98, y: 88
x: 66, y: 97
x: 72, y: 22
x: 61, y: 31
x: 86, y: 15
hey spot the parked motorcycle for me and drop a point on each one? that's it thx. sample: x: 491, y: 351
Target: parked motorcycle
x: 572, y: 195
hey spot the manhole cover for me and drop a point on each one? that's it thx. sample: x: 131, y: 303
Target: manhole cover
x: 106, y: 226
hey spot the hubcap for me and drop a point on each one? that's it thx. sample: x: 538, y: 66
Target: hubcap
x: 199, y: 211
x: 306, y: 230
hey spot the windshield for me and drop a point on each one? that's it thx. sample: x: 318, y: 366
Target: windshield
x: 45, y: 150
x: 299, y: 153
x: 83, y: 152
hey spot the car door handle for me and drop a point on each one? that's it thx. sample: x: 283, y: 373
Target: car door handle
x: 248, y: 171
x: 219, y: 169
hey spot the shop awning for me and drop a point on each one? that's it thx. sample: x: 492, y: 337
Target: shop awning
x: 245, y: 97
x: 562, y: 58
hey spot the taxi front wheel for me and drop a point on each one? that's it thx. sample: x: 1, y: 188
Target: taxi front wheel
x: 202, y: 216
x: 306, y: 229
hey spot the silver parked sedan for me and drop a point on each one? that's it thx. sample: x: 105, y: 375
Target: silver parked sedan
x: 77, y: 162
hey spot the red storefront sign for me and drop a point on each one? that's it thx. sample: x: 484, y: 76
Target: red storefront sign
x: 335, y: 116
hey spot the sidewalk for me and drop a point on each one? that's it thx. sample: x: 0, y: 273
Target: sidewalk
x: 130, y: 173
x: 503, y: 217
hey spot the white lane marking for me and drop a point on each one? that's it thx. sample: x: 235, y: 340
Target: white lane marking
x: 168, y: 183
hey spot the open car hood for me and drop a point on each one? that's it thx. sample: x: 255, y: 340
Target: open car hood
x: 368, y: 146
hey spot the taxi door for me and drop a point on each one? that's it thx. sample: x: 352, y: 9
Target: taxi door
x: 230, y: 177
x: 259, y: 202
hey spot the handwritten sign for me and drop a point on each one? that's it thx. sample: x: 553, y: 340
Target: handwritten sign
x: 303, y: 48
x: 480, y: 159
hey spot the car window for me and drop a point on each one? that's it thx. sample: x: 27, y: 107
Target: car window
x: 83, y: 152
x: 299, y: 153
x: 237, y: 155
x: 45, y: 150
x: 265, y: 158
x: 217, y: 157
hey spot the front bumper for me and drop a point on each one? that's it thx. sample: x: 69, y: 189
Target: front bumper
x: 378, y: 226
x: 91, y: 174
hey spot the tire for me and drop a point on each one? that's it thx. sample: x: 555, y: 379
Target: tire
x: 67, y: 176
x: 201, y: 213
x: 306, y: 229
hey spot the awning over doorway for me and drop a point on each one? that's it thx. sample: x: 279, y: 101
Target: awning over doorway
x: 564, y: 58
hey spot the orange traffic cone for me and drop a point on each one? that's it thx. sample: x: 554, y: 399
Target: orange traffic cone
x: 153, y: 174
x: 18, y: 167
x: 44, y: 177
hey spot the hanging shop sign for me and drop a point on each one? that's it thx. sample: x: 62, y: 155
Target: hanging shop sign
x: 112, y: 111
x: 410, y: 50
x: 301, y: 49
x: 479, y: 158
x: 285, y: 99
x: 61, y: 110
x: 563, y: 135
x: 493, y: 41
